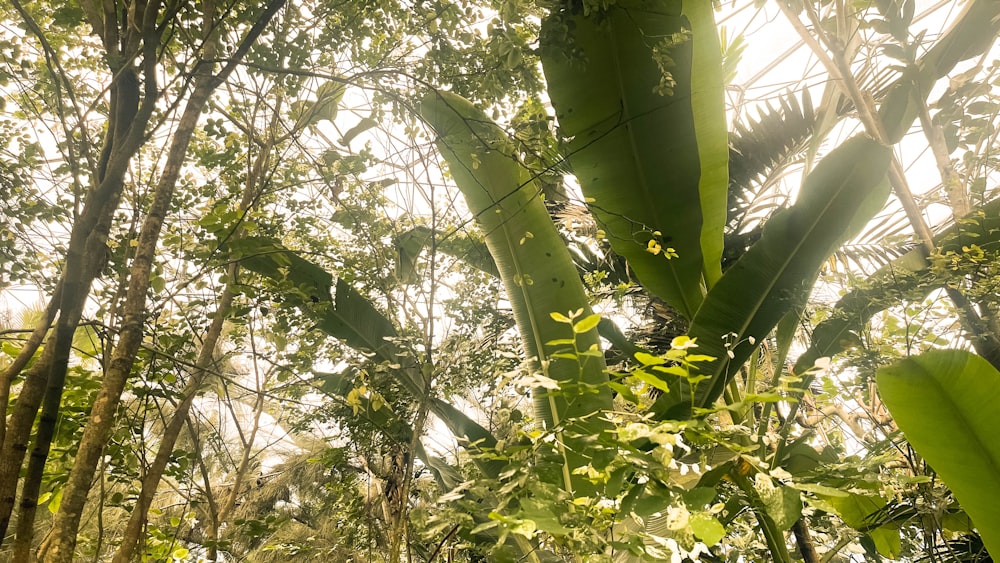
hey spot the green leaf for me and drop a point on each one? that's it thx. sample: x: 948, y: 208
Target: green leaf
x: 55, y: 501
x: 819, y: 489
x: 542, y: 514
x: 560, y: 318
x: 769, y: 280
x: 328, y: 97
x: 651, y: 380
x: 648, y: 359
x: 633, y: 146
x: 411, y: 243
x: 588, y: 324
x: 947, y: 403
x: 707, y: 528
x: 857, y: 510
x: 68, y: 14
x: 783, y: 504
x: 362, y: 126
x: 354, y: 319
x: 699, y: 497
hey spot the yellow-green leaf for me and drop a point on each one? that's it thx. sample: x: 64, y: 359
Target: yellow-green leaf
x: 587, y: 324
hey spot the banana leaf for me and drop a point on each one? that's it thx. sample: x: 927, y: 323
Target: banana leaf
x: 349, y: 316
x: 708, y: 108
x: 268, y: 257
x: 533, y: 261
x: 836, y: 199
x: 621, y: 84
x: 947, y: 403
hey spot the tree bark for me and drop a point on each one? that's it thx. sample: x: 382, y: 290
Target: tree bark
x: 84, y: 257
x: 804, y: 541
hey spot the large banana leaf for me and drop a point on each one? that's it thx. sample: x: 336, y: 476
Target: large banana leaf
x: 907, y: 278
x: 947, y: 403
x: 268, y: 257
x: 621, y: 83
x: 836, y: 199
x: 354, y: 319
x: 533, y: 261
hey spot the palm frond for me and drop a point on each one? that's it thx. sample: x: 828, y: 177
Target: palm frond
x: 760, y: 145
x: 862, y: 257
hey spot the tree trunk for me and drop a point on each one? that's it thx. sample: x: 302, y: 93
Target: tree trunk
x: 804, y: 540
x: 84, y: 257
x: 151, y: 481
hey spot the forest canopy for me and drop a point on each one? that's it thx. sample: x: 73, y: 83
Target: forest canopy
x: 484, y: 280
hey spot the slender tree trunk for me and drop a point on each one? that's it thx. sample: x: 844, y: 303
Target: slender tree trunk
x: 46, y: 377
x: 400, y: 508
x: 804, y: 540
x: 60, y: 543
x: 151, y: 481
x: 62, y: 85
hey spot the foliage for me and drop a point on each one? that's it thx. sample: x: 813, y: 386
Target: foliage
x: 332, y: 280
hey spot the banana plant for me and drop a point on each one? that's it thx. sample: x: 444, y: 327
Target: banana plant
x: 644, y: 145
x: 835, y: 201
